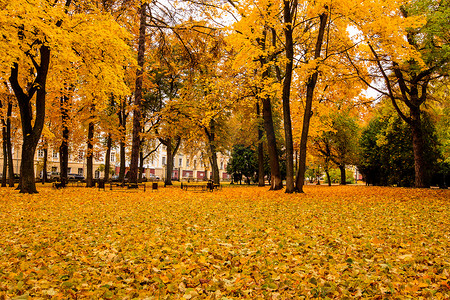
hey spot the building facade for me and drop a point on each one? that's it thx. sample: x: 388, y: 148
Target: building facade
x: 186, y: 167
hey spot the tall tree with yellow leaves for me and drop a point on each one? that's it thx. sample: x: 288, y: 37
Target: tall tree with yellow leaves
x: 42, y: 37
x: 409, y: 59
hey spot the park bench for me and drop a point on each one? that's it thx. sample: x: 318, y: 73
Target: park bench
x: 209, y: 186
x: 60, y: 185
x: 126, y: 185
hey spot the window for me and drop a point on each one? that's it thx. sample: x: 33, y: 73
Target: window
x: 40, y: 153
x: 163, y: 160
x: 180, y: 162
x: 69, y: 170
x: 80, y: 155
x: 80, y: 171
x: 54, y: 169
x: 55, y: 154
x: 221, y: 164
x: 187, y: 162
x: 113, y: 156
x: 195, y: 163
x: 97, y: 174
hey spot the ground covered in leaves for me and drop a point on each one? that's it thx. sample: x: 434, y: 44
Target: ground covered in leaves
x: 332, y: 242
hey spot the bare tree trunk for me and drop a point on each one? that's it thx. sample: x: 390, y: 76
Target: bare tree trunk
x: 137, y: 115
x: 8, y: 167
x: 169, y: 166
x: 289, y: 47
x: 275, y: 174
x: 328, y: 176
x: 141, y: 164
x: 343, y: 177
x: 108, y: 143
x: 421, y: 178
x: 214, y: 166
x: 213, y: 152
x: 9, y: 146
x: 90, y: 156
x: 171, y: 151
x: 310, y: 86
x: 123, y: 129
x: 5, y: 157
x: 261, y: 181
x: 107, y: 158
x: 44, y: 167
x: 64, y: 147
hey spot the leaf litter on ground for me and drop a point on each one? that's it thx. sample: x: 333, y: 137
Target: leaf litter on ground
x: 340, y: 242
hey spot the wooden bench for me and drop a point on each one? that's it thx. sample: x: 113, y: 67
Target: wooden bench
x: 209, y: 186
x: 60, y: 185
x: 129, y: 186
x: 195, y: 187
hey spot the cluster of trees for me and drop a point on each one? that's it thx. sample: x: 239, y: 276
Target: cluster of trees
x: 281, y: 78
x: 386, y: 155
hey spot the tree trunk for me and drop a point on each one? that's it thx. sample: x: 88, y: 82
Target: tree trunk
x: 107, y: 158
x: 9, y: 146
x: 9, y: 149
x: 310, y: 86
x: 5, y: 150
x: 123, y: 129
x: 169, y: 165
x: 44, y: 167
x: 137, y: 115
x: 289, y: 47
x: 343, y: 177
x: 90, y: 156
x: 275, y: 175
x: 213, y: 152
x: 27, y: 183
x: 214, y: 166
x: 5, y: 157
x: 328, y: 176
x: 109, y: 143
x: 64, y: 147
x: 141, y: 165
x: 261, y: 181
x: 420, y: 180
x: 171, y: 151
x: 31, y: 125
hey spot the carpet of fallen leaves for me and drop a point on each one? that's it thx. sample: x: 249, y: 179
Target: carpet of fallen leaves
x: 243, y: 242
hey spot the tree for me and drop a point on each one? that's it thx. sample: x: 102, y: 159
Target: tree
x: 310, y: 86
x: 242, y: 163
x: 409, y: 60
x: 137, y: 115
x: 255, y: 41
x: 47, y: 34
x: 386, y: 156
x: 35, y: 53
x: 339, y: 144
x: 8, y: 168
x: 206, y: 96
